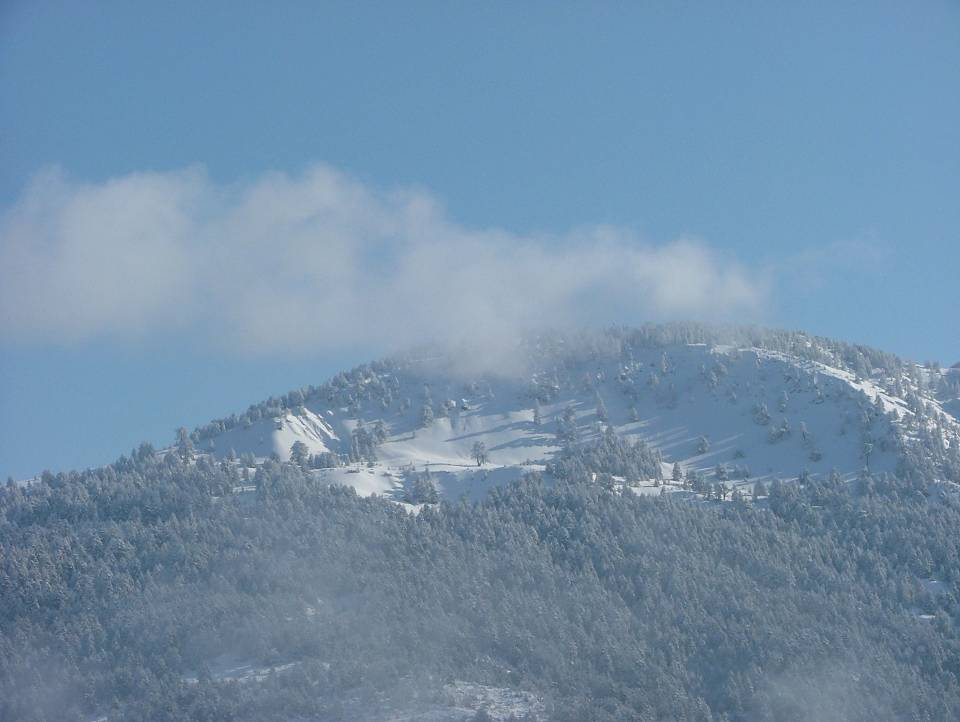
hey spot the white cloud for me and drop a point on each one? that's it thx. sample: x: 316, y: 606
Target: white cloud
x: 318, y: 261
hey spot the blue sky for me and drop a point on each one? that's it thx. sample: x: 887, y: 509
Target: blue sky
x: 807, y: 150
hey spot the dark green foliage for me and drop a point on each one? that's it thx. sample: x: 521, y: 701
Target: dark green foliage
x: 422, y: 491
x: 122, y: 588
x: 610, y: 455
x: 117, y: 584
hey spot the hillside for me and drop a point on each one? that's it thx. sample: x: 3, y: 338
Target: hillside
x: 949, y: 390
x: 673, y: 522
x: 783, y: 406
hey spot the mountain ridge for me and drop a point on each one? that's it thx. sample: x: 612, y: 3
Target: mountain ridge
x: 767, y: 405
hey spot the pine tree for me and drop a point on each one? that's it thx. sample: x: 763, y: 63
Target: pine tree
x: 184, y: 444
x: 602, y: 410
x: 426, y: 415
x: 759, y: 489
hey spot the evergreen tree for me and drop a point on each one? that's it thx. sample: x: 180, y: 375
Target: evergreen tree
x: 677, y: 472
x: 184, y: 444
x: 602, y: 414
x: 426, y: 415
x: 759, y: 490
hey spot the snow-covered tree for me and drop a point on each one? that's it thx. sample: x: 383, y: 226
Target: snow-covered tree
x: 760, y: 414
x: 184, y: 444
x: 567, y: 426
x: 759, y: 489
x: 677, y: 472
x: 299, y: 452
x: 426, y: 415
x: 479, y: 452
x: 602, y: 410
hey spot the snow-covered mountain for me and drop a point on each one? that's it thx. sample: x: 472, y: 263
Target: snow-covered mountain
x: 761, y: 405
x: 232, y: 566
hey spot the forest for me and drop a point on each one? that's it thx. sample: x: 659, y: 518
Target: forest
x: 123, y: 587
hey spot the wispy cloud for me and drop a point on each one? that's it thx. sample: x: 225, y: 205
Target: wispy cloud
x: 318, y: 260
x: 818, y: 265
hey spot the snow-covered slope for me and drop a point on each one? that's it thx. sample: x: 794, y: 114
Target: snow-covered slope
x: 950, y: 391
x: 756, y: 412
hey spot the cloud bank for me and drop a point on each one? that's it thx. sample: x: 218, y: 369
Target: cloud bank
x: 317, y: 261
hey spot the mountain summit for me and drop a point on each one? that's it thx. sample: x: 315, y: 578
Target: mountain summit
x: 731, y: 406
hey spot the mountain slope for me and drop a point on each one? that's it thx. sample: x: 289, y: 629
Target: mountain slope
x: 204, y: 584
x: 779, y: 407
